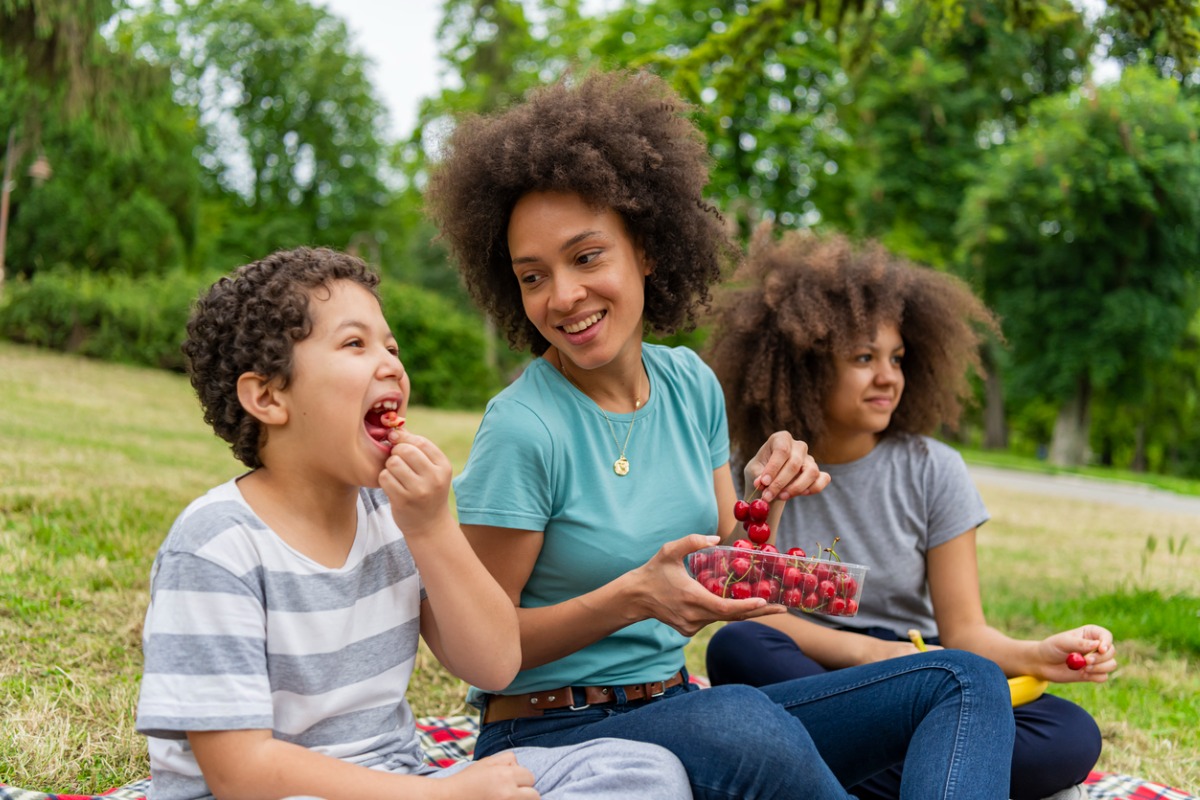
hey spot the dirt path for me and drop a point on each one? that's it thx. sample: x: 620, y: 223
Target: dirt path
x: 1090, y: 489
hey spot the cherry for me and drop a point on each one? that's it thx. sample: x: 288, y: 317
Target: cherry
x: 765, y: 589
x: 808, y: 583
x: 792, y: 598
x: 759, y: 510
x: 837, y: 607
x: 740, y: 567
x: 716, y: 586
x: 851, y: 607
x: 741, y: 511
x: 796, y: 551
x: 744, y: 544
x: 740, y: 591
x: 759, y: 532
x: 826, y: 589
x: 792, y: 576
x: 769, y: 548
x: 811, y: 601
x: 1076, y: 661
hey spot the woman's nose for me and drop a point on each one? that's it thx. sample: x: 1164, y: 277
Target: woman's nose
x: 566, y: 292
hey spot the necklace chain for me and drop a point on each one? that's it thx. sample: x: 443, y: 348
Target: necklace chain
x: 621, y: 465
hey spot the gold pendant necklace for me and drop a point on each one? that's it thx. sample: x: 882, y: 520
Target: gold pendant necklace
x: 621, y: 465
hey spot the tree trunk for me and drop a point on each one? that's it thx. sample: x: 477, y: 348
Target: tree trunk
x: 1070, y: 443
x: 995, y: 427
x: 1140, y: 462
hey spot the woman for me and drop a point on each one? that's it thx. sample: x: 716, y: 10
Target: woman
x: 577, y: 221
x: 864, y: 354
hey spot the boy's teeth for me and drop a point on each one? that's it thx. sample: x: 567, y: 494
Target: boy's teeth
x: 582, y: 324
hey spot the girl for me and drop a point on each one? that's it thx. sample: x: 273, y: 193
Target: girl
x: 863, y: 355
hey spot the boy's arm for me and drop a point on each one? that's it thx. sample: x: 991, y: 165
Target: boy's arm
x: 466, y: 619
x: 252, y: 765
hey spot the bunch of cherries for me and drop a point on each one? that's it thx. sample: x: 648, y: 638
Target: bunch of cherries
x: 755, y: 568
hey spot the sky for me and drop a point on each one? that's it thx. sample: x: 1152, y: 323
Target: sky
x: 398, y: 36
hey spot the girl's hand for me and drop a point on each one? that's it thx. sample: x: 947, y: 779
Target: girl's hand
x: 1092, y: 641
x: 667, y: 592
x: 783, y: 469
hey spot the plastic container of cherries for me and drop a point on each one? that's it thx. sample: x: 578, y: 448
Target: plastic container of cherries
x: 812, y: 585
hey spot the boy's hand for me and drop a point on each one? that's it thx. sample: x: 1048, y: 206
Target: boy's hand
x: 497, y: 777
x: 416, y: 478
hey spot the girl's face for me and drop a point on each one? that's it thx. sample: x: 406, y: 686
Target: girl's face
x: 583, y: 279
x: 867, y: 386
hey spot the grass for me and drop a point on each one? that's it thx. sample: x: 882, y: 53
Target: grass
x: 97, y: 459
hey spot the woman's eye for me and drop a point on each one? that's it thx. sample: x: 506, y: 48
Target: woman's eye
x: 589, y: 257
x: 354, y: 343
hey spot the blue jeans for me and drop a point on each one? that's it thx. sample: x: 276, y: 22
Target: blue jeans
x: 944, y: 715
x: 1057, y: 742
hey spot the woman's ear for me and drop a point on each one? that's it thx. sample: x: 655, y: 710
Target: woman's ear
x: 262, y: 399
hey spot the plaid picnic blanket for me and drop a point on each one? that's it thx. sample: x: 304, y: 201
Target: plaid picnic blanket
x: 450, y: 739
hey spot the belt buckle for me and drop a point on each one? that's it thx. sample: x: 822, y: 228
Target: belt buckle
x: 662, y: 689
x: 574, y: 707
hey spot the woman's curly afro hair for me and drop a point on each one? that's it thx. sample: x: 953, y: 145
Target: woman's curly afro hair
x: 619, y: 140
x: 249, y: 321
x: 799, y: 303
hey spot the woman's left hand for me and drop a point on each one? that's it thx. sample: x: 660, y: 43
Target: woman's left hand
x: 783, y: 469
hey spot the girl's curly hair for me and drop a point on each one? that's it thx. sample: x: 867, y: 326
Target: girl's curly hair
x: 620, y: 140
x: 249, y: 321
x: 799, y: 303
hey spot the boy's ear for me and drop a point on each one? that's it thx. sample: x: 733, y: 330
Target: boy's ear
x: 261, y: 398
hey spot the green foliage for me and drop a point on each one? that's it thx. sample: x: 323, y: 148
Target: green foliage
x: 143, y: 321
x: 1169, y: 622
x: 1082, y: 234
x: 114, y: 317
x: 291, y: 119
x: 442, y: 348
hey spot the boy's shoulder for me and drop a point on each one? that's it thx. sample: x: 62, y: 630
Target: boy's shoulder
x: 208, y: 516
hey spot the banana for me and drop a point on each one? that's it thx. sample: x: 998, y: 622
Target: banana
x: 1026, y: 689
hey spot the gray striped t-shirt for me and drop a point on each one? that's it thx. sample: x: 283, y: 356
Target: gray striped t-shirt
x: 243, y: 632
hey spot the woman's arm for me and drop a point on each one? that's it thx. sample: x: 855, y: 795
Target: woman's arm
x: 659, y: 589
x: 953, y: 576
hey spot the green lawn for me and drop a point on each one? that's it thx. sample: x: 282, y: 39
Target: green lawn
x: 96, y: 460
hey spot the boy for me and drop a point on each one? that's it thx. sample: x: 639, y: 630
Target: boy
x: 286, y: 603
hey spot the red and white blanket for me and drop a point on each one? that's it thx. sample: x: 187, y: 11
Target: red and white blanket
x: 450, y: 739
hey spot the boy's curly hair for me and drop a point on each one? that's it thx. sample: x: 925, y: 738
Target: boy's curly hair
x: 249, y: 321
x: 620, y: 140
x: 799, y: 303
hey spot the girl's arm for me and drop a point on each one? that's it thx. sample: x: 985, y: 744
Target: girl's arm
x: 834, y: 649
x: 953, y: 576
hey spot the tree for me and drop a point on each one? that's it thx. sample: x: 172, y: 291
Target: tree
x: 1082, y: 230
x: 291, y: 118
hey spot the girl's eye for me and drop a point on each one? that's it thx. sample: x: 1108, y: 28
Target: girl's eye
x: 394, y: 350
x: 354, y: 343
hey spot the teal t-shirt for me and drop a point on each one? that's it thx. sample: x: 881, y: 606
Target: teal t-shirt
x: 542, y: 460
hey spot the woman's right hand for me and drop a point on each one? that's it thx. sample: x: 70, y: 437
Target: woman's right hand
x: 667, y: 593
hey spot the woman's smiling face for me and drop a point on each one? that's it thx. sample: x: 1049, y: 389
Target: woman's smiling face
x: 582, y: 278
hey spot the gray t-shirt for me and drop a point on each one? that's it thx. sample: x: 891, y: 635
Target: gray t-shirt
x: 907, y: 496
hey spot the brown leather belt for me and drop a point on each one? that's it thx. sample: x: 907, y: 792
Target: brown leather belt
x: 516, y: 706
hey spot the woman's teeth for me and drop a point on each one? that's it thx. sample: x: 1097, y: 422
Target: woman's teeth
x: 584, y: 324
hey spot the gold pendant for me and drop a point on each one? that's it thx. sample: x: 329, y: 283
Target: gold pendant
x: 621, y: 466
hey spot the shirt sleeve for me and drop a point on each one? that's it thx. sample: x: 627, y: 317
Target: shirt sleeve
x: 955, y: 504
x: 510, y: 465
x: 205, y: 655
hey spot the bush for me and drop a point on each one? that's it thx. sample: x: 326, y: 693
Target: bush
x: 142, y: 321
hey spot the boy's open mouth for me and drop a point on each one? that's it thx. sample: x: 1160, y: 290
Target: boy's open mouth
x: 381, y: 419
